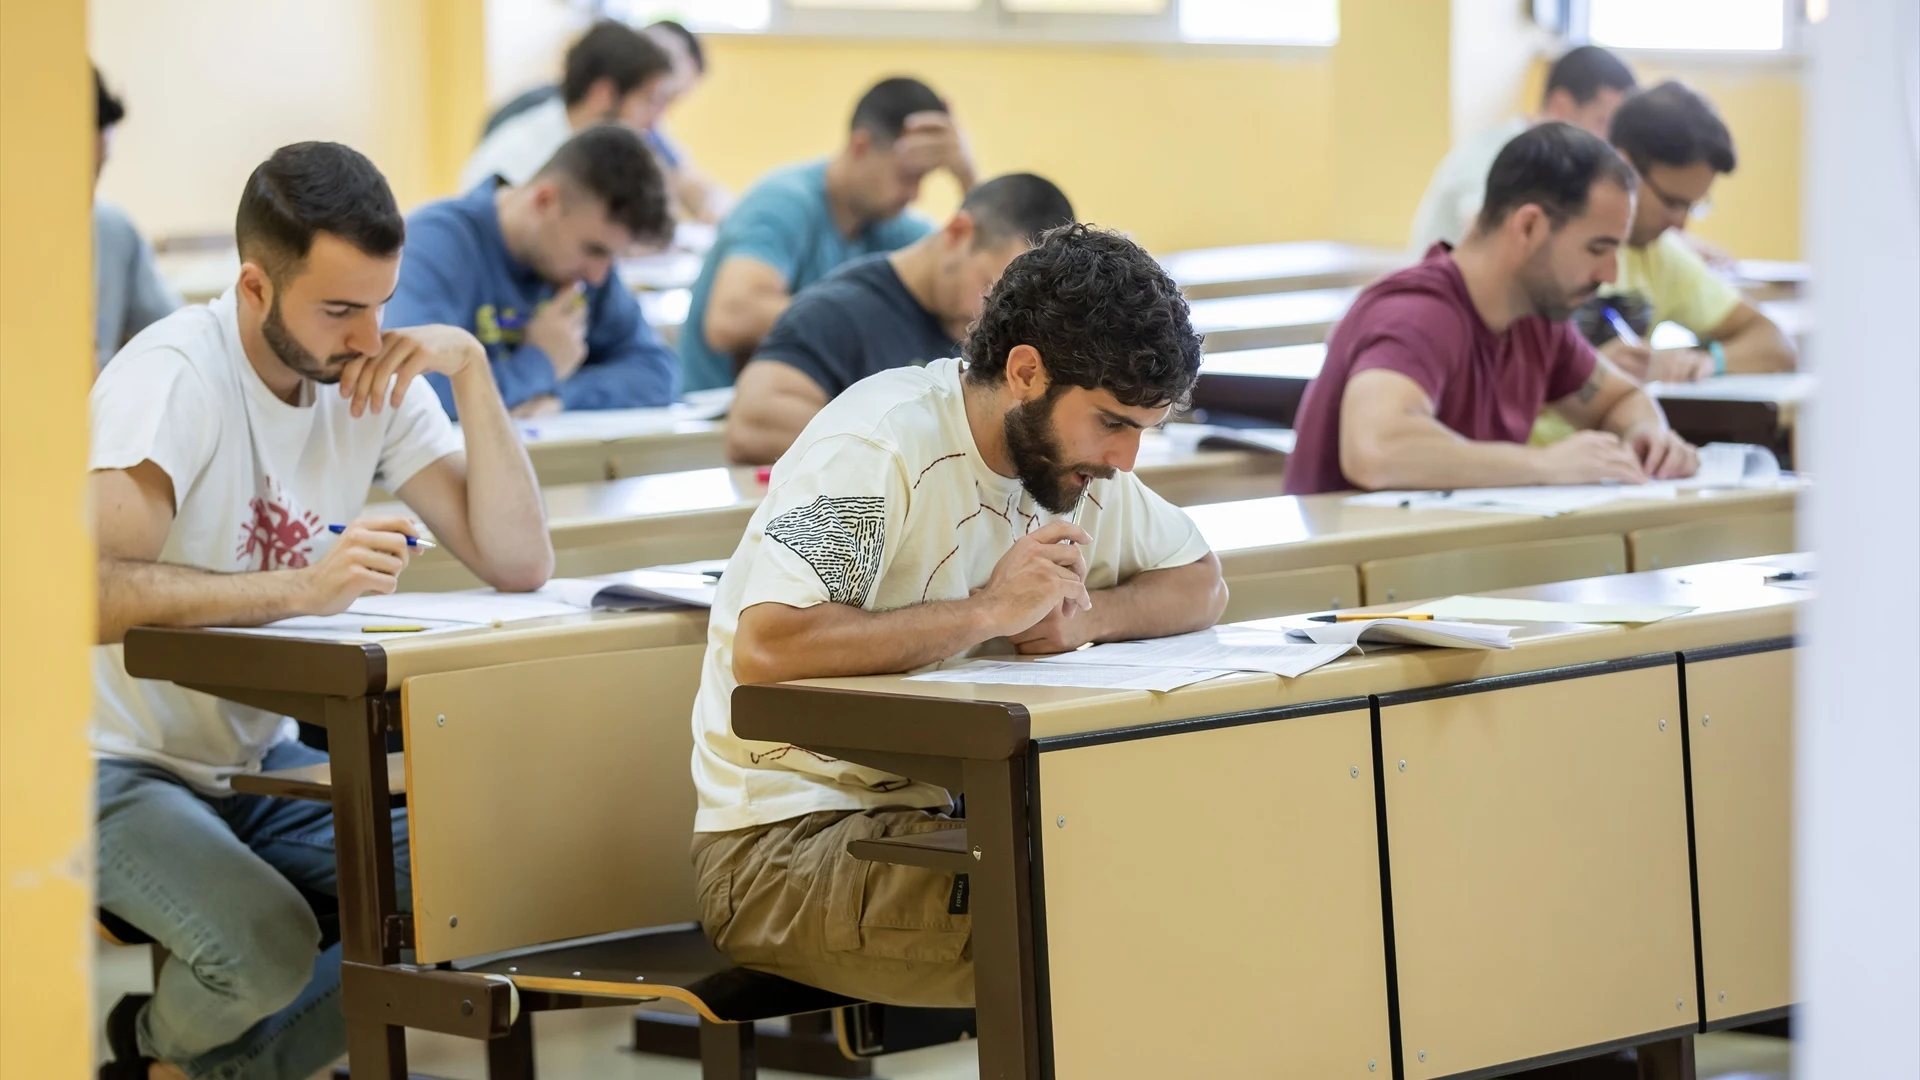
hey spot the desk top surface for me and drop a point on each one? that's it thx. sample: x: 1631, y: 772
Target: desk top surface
x: 1262, y: 262
x: 1734, y: 604
x: 1307, y: 307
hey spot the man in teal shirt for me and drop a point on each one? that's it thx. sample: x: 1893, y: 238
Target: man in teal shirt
x: 800, y: 223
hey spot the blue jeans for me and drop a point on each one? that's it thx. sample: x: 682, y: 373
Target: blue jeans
x: 246, y: 992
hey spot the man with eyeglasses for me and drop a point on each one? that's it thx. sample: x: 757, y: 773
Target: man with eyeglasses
x: 1679, y: 146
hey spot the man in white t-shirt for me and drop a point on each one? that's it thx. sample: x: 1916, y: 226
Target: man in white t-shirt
x: 614, y: 75
x: 924, y: 514
x: 226, y: 439
x: 1584, y: 87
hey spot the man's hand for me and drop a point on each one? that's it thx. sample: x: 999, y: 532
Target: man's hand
x: 536, y: 407
x: 1663, y: 454
x: 1037, y: 577
x: 1680, y: 365
x: 931, y: 140
x: 1065, y: 629
x: 1632, y: 360
x: 367, y: 559
x: 1592, y: 457
x: 559, y: 329
x: 404, y: 355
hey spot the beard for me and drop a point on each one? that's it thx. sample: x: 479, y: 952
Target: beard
x: 1545, y: 295
x: 295, y: 356
x: 1035, y: 448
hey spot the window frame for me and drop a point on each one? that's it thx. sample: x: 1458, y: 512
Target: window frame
x: 1575, y: 16
x: 992, y: 23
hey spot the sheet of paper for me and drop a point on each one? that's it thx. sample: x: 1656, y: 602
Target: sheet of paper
x: 1773, y: 386
x: 1228, y: 647
x: 1536, y: 501
x: 483, y: 607
x: 1498, y: 609
x: 1100, y: 677
x: 1731, y: 465
x: 349, y: 626
x: 1435, y: 633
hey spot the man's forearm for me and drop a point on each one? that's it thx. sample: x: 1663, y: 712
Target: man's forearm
x: 834, y: 640
x: 761, y: 432
x: 737, y: 324
x: 1634, y: 409
x: 137, y: 593
x: 1761, y: 347
x: 506, y: 518
x: 1441, y: 461
x: 1159, y: 603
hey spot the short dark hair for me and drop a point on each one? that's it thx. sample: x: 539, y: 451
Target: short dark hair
x: 314, y: 187
x: 694, y: 51
x: 1102, y: 314
x: 616, y: 51
x: 883, y: 110
x: 1672, y: 125
x: 107, y: 109
x: 1552, y: 166
x: 610, y: 163
x: 1018, y: 204
x: 1587, y: 70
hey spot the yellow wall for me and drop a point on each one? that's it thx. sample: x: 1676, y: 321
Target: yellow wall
x: 1179, y: 149
x: 1391, y: 117
x: 46, y: 555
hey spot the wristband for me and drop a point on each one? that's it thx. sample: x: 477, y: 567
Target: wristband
x: 1719, y: 355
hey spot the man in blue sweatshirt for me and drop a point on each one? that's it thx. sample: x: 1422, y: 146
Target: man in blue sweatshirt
x: 529, y: 271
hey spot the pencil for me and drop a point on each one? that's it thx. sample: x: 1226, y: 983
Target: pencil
x: 1357, y: 617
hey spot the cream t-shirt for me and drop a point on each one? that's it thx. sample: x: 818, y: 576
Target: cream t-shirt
x: 1459, y: 187
x: 518, y: 148
x: 256, y: 482
x: 884, y: 502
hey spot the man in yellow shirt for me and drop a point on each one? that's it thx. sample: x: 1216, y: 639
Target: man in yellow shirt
x: 1679, y: 146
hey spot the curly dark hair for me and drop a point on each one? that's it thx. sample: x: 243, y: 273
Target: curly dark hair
x: 1100, y: 311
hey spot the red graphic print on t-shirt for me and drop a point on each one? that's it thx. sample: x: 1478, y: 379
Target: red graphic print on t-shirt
x: 280, y: 536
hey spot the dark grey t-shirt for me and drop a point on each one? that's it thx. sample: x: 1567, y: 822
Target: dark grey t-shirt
x: 855, y: 322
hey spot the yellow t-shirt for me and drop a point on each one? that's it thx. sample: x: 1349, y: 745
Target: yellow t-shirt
x: 1676, y: 284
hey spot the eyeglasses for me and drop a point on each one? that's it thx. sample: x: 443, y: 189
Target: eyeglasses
x: 1674, y: 203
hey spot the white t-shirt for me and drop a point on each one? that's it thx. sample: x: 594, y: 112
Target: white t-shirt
x: 884, y: 502
x: 256, y: 482
x: 1459, y: 186
x: 518, y: 148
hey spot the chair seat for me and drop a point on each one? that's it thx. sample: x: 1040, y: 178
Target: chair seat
x: 678, y: 964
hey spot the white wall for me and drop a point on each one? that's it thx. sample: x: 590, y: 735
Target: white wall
x: 1492, y: 43
x: 1857, y: 922
x: 526, y: 41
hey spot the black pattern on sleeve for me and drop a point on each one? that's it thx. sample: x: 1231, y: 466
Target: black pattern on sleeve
x: 841, y: 538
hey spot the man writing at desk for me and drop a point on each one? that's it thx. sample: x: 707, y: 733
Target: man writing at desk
x: 885, y: 311
x: 1434, y: 378
x: 924, y: 513
x: 225, y: 439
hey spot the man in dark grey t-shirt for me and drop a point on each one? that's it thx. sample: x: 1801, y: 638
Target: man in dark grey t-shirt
x: 885, y: 311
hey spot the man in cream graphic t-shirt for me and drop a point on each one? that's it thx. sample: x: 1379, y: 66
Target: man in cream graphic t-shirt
x: 924, y: 514
x: 226, y: 439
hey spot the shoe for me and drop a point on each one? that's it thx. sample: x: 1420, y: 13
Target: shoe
x: 123, y: 1040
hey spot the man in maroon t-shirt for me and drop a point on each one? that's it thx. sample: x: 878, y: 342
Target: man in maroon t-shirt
x: 1435, y: 376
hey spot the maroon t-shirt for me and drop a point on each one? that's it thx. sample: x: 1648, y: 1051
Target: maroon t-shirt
x: 1421, y: 323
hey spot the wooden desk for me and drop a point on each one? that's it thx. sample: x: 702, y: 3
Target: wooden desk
x: 1758, y: 409
x: 1249, y: 269
x: 1480, y: 905
x: 1258, y: 384
x: 1771, y: 279
x: 1229, y: 323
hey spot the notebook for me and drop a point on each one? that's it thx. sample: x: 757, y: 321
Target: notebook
x: 1445, y: 635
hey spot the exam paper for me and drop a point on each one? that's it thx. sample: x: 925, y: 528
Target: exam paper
x: 347, y: 626
x: 1498, y: 609
x: 1388, y: 631
x: 1547, y: 501
x: 1097, y: 676
x: 1728, y: 465
x: 483, y: 607
x: 1235, y: 648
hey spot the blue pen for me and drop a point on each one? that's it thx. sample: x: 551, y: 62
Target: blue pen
x: 412, y: 541
x: 1620, y: 327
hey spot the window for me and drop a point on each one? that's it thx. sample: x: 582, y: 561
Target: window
x: 1707, y: 25
x: 1256, y: 22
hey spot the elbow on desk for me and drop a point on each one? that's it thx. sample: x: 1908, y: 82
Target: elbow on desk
x: 521, y: 575
x: 1366, y: 464
x: 747, y: 440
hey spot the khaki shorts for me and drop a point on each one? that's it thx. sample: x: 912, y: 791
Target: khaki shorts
x: 788, y: 899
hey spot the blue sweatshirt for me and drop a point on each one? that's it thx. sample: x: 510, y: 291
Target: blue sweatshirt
x: 456, y: 270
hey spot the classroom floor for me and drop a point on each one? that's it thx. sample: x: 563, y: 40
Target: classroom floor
x: 589, y: 1043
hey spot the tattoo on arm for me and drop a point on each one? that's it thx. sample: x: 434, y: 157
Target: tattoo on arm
x: 1587, y: 392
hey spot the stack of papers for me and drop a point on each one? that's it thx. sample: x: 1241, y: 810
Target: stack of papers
x: 656, y: 589
x: 1732, y: 465
x: 1391, y: 631
x: 1161, y: 664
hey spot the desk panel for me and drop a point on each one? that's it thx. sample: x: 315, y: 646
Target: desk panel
x: 1497, y: 566
x: 1223, y: 886
x: 1740, y: 731
x: 1538, y: 845
x: 1740, y: 536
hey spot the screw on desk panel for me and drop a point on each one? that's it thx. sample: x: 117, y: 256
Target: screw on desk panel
x: 576, y: 974
x: 1423, y: 1055
x: 1372, y: 1065
x: 1354, y: 772
x: 1392, y: 595
x: 1679, y: 1004
x: 1060, y: 822
x: 455, y: 921
x: 1403, y: 764
x: 1663, y: 725
x: 466, y: 1008
x: 441, y: 720
x: 639, y: 978
x: 976, y: 854
x: 512, y: 970
x: 1723, y: 995
x: 1705, y: 720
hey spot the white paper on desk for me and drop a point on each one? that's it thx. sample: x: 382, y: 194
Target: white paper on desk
x: 1388, y: 631
x: 634, y: 590
x: 1550, y: 501
x: 1099, y: 677
x: 482, y: 607
x: 347, y: 626
x: 1777, y: 386
x: 1238, y: 648
x: 1500, y: 609
x: 1732, y: 465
